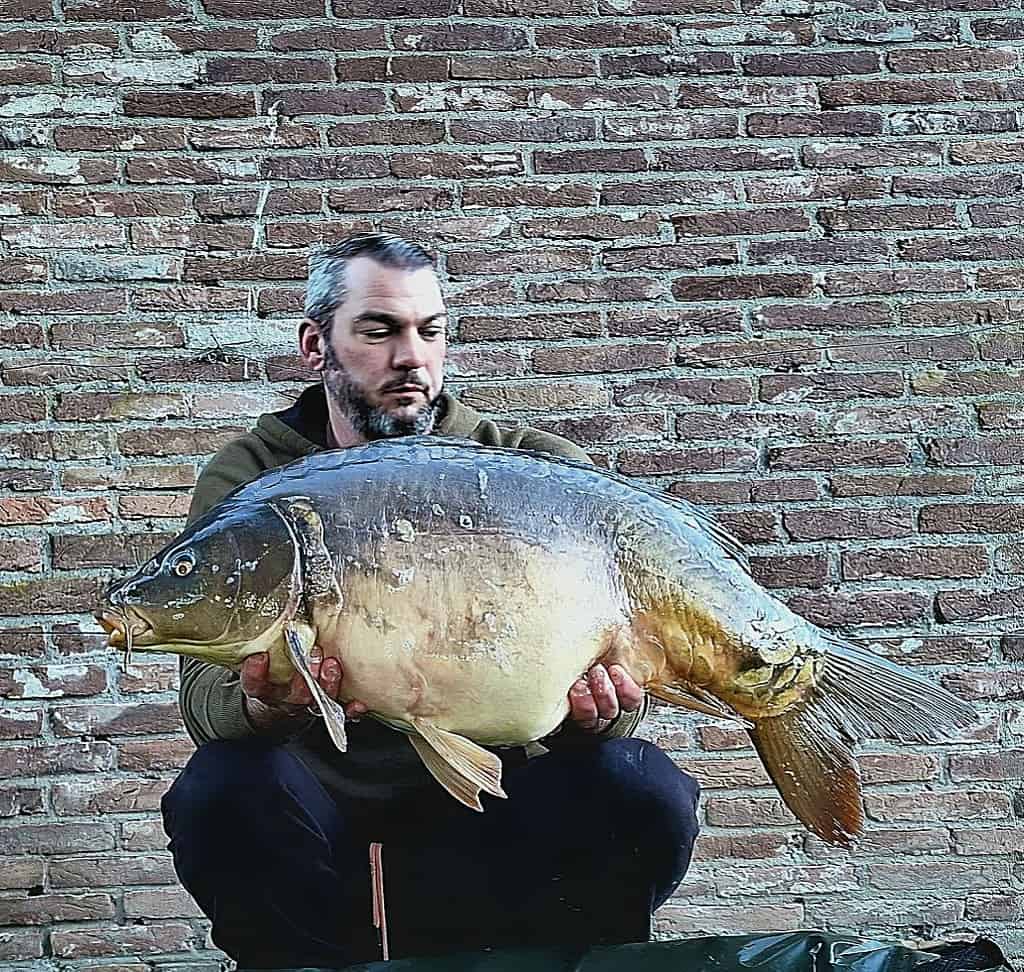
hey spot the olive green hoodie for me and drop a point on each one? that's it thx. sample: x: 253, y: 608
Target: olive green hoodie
x: 380, y: 761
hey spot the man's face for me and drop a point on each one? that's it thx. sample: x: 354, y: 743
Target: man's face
x: 383, y: 366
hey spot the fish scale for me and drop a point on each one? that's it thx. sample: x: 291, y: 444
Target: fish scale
x: 465, y: 588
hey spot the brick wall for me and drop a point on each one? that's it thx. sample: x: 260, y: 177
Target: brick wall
x: 767, y: 257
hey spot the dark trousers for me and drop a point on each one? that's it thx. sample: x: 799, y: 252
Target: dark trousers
x: 591, y: 840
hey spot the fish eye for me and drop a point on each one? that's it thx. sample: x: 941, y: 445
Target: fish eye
x: 183, y: 565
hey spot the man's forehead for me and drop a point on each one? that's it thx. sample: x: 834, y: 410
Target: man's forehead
x: 366, y: 279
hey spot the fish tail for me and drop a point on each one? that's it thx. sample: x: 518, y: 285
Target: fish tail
x: 807, y: 749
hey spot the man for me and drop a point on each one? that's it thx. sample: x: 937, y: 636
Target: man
x: 269, y: 825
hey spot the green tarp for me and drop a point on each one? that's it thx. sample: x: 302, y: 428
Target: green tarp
x: 789, y: 952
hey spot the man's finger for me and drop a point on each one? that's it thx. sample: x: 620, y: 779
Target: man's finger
x: 253, y: 674
x: 629, y: 693
x: 605, y: 697
x: 582, y: 706
x: 330, y: 677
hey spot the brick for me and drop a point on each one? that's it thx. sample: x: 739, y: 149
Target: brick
x: 37, y: 760
x: 50, y: 236
x: 820, y: 524
x: 920, y: 484
x: 856, y: 283
x: 321, y: 167
x: 661, y: 65
x: 671, y: 126
x: 71, y: 552
x: 808, y: 570
x: 460, y: 37
x: 638, y: 192
x: 992, y: 907
x: 52, y: 681
x: 1000, y: 417
x: 938, y: 875
x: 190, y: 171
x: 189, y: 40
x: 745, y: 222
x: 996, y: 686
x: 48, y: 105
x: 150, y: 939
x: 988, y: 840
x: 23, y: 642
x: 145, y: 756
x: 692, y: 424
x: 603, y: 98
x: 608, y: 226
x: 116, y: 720
x: 1004, y: 765
x: 111, y: 870
x: 25, y: 10
x: 748, y: 94
x: 558, y: 128
x: 211, y: 367
x: 666, y: 392
x: 866, y: 155
x: 610, y: 428
x: 504, y: 261
x: 108, y: 796
x: 182, y: 104
x: 883, y: 30
x: 22, y: 408
x: 21, y: 873
x: 871, y: 219
x: 522, y: 67
x: 858, y: 420
x: 710, y: 491
x: 952, y: 122
x: 989, y: 450
x: 870, y: 608
x: 590, y: 36
x: 31, y: 202
x: 53, y: 510
x: 601, y: 290
x: 925, y: 91
x: 141, y: 10
x: 972, y: 152
x: 175, y: 903
x: 777, y: 125
x: 963, y: 248
x: 20, y: 723
x: 677, y: 921
x: 537, y: 396
x: 829, y: 388
x: 142, y: 835
x: 411, y: 131
x: 897, y: 768
x: 957, y: 186
x: 590, y: 160
x: 81, y: 266
x: 132, y: 71
x: 336, y: 38
x: 20, y: 801
x: 82, y: 336
x: 823, y: 251
x: 893, y: 916
x: 742, y: 287
x: 688, y: 256
x: 55, y: 170
x: 101, y: 138
x: 720, y: 847
x: 544, y: 327
x: 887, y: 842
x: 616, y: 357
x: 26, y: 72
x: 724, y: 158
x: 633, y: 462
x: 672, y: 322
x: 43, y: 908
x: 938, y: 382
x: 915, y: 563
x: 952, y: 606
x: 952, y: 60
x: 777, y: 354
x: 95, y: 202
x: 803, y: 64
x: 814, y: 187
x: 985, y: 518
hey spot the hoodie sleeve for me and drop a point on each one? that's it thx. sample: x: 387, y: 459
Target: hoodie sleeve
x: 210, y: 696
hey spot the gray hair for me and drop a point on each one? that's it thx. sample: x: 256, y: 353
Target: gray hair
x: 326, y: 289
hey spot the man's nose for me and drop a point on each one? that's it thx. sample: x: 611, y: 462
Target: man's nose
x: 409, y: 353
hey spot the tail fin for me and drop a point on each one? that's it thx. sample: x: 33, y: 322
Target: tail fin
x: 860, y: 696
x: 866, y: 696
x: 814, y: 771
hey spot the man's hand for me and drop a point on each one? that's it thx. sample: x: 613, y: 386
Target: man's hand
x: 267, y: 704
x: 598, y: 699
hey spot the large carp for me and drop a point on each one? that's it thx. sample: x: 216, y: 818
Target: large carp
x: 464, y: 588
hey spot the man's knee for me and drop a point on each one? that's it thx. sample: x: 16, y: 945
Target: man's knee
x: 639, y: 770
x: 220, y: 781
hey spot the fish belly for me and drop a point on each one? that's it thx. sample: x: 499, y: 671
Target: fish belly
x: 482, y: 635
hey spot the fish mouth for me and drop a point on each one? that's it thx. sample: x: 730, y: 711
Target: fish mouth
x: 123, y: 631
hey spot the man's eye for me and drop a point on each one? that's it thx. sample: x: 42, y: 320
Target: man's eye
x: 430, y: 333
x: 376, y: 335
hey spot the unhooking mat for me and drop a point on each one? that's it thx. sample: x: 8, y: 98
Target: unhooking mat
x: 787, y: 952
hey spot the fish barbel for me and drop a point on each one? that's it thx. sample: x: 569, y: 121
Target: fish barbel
x: 464, y: 589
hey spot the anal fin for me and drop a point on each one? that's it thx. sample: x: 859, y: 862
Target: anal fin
x: 332, y: 711
x: 470, y: 761
x: 815, y: 772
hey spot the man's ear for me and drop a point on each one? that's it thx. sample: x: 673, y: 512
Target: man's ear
x: 311, y: 345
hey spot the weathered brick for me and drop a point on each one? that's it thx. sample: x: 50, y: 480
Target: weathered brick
x: 671, y: 321
x: 984, y: 518
x: 663, y: 392
x: 814, y: 187
x: 110, y: 870
x: 724, y: 158
x: 688, y: 256
x: 142, y: 10
x: 21, y: 872
x: 603, y: 97
x: 52, y: 510
x: 52, y: 681
x: 776, y: 125
x: 20, y: 723
x: 608, y: 226
x: 687, y: 920
x: 897, y: 91
x: 915, y: 562
x: 988, y: 840
x: 111, y: 719
x: 546, y: 327
x: 915, y: 484
x: 160, y: 904
x: 108, y: 796
x: 801, y: 570
x: 38, y: 760
x: 829, y: 388
x: 634, y: 462
x: 597, y: 290
x: 868, y: 155
x: 19, y: 801
x: 805, y: 64
x: 940, y: 807
x: 106, y: 138
x: 870, y: 608
x: 742, y: 286
x: 588, y: 360
x: 822, y: 524
x: 96, y: 940
x: 43, y: 908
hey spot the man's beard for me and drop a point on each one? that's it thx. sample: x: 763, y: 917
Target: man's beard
x: 368, y: 420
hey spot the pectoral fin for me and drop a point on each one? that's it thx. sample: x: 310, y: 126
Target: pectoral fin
x: 460, y: 757
x: 332, y: 711
x: 467, y: 793
x: 698, y: 701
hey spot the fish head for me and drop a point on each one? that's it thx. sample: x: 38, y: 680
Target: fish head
x: 220, y: 591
